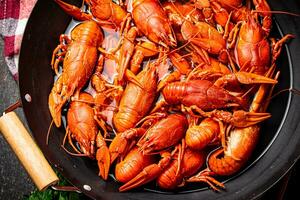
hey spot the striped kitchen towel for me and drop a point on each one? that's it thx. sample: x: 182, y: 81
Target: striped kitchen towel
x: 13, y: 18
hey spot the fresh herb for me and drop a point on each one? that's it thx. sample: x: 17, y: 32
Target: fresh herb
x: 50, y: 194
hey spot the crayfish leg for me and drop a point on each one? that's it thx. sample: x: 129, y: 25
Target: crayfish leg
x: 159, y: 106
x: 277, y: 46
x: 174, y: 76
x: 206, y: 177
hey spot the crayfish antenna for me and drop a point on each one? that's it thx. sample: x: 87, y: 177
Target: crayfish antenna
x: 48, y: 132
x: 73, y: 154
x: 276, y: 12
x: 68, y: 135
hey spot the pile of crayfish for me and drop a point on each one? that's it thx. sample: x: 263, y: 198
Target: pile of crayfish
x: 173, y: 92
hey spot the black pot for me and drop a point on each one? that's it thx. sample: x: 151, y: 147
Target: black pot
x: 277, y: 151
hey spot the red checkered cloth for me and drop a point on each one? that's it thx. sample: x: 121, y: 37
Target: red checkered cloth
x: 13, y: 18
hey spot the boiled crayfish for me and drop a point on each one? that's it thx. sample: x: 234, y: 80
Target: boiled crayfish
x: 152, y: 21
x: 176, y: 92
x: 81, y: 124
x: 79, y: 54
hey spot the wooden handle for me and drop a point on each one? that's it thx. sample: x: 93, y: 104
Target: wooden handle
x: 27, y: 151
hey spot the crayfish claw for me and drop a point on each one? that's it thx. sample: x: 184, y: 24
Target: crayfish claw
x: 244, y: 78
x: 53, y: 108
x: 103, y: 158
x: 73, y: 11
x: 244, y: 119
x: 123, y: 141
x: 55, y: 102
x: 117, y: 147
x: 132, y: 78
x: 148, y: 174
x: 254, y: 118
x: 249, y: 78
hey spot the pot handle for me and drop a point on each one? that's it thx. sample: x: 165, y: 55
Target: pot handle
x: 27, y: 151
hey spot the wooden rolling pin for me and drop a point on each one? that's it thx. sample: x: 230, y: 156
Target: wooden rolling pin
x: 27, y: 151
